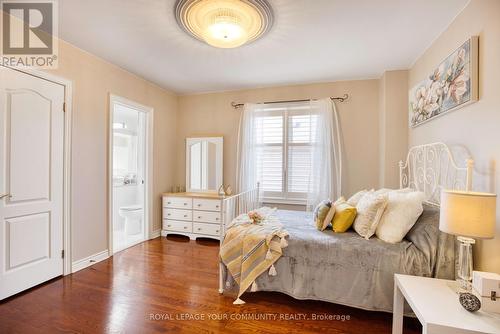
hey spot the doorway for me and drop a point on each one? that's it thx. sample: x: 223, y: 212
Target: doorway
x: 130, y: 173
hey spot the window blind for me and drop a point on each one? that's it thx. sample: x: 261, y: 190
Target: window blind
x: 284, y: 137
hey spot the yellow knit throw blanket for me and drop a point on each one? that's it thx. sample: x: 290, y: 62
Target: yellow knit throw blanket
x: 250, y: 249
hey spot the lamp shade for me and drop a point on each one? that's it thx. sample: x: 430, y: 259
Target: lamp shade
x: 468, y: 214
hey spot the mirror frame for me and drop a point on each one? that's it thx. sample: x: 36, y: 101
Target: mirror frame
x: 219, y: 141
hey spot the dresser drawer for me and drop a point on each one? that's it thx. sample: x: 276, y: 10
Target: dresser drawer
x: 206, y: 217
x: 177, y: 214
x: 178, y: 202
x: 208, y: 229
x: 177, y: 226
x: 206, y: 204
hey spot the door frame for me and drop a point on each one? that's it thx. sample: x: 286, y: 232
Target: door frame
x: 148, y: 166
x: 68, y: 108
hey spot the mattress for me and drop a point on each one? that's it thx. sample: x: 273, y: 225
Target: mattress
x: 347, y: 269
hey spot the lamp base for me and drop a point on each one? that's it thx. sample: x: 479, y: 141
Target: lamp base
x: 465, y: 263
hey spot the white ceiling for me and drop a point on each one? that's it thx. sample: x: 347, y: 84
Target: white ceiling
x: 311, y: 41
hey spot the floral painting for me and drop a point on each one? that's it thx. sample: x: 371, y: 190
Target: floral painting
x: 453, y: 84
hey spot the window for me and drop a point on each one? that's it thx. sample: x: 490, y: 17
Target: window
x: 124, y: 154
x: 284, y: 138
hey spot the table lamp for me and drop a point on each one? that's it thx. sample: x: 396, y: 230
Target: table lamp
x: 467, y: 215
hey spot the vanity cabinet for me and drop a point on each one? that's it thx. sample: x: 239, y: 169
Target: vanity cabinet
x: 194, y: 215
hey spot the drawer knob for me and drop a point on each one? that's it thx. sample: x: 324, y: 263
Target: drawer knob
x: 185, y: 216
x: 216, y: 231
x: 169, y: 202
x: 216, y: 218
x: 185, y: 204
x: 199, y: 205
x: 199, y: 228
x: 169, y: 225
x: 168, y: 214
x: 185, y: 227
x: 217, y: 206
x: 199, y: 217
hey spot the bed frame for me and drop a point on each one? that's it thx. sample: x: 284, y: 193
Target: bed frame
x: 428, y: 168
x: 431, y: 168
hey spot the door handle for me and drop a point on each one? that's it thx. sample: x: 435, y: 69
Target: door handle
x: 5, y: 195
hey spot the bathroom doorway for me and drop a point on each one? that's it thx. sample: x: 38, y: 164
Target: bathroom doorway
x: 130, y: 173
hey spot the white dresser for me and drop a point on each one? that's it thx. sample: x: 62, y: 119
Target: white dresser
x: 195, y: 215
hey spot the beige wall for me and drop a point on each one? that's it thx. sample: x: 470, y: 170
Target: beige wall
x: 212, y: 114
x: 93, y: 80
x: 393, y: 123
x: 178, y: 117
x: 476, y: 126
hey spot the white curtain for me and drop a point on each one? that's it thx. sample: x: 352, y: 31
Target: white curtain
x: 325, y: 179
x: 246, y: 168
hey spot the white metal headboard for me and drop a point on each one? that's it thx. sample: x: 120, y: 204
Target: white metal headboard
x: 430, y: 168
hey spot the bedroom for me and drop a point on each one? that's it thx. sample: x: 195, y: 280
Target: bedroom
x: 118, y: 271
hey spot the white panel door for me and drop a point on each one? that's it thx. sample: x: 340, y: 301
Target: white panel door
x: 31, y: 181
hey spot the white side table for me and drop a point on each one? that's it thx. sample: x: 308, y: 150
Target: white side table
x: 436, y: 306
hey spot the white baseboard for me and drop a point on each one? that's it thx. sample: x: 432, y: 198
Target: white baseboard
x: 155, y: 234
x: 90, y: 260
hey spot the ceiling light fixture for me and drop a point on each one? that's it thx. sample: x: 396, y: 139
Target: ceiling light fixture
x: 224, y: 23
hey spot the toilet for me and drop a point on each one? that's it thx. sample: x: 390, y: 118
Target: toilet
x: 133, y: 215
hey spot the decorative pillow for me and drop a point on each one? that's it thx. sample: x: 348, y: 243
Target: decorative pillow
x: 340, y: 200
x: 383, y: 191
x: 344, y: 216
x: 370, y: 209
x: 354, y: 199
x: 403, y: 210
x: 323, y: 214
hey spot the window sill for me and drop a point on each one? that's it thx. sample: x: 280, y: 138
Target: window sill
x: 272, y: 200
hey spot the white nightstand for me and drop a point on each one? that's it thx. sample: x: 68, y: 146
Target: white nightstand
x: 436, y: 305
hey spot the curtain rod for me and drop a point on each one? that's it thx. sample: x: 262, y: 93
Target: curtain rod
x: 340, y: 99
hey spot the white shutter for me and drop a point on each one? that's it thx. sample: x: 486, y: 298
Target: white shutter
x: 285, y: 151
x: 301, y: 128
x: 299, y: 164
x: 269, y: 128
x: 271, y: 165
x: 269, y: 136
x: 301, y: 132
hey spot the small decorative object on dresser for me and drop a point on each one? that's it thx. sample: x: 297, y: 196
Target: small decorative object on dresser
x: 468, y: 215
x: 196, y: 215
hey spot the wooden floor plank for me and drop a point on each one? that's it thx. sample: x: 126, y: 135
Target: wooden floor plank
x: 170, y: 285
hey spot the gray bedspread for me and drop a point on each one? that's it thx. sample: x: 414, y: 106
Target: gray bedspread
x: 344, y: 268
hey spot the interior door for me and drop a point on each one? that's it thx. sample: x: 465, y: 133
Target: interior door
x: 31, y: 181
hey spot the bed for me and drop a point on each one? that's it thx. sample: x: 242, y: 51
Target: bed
x: 344, y: 268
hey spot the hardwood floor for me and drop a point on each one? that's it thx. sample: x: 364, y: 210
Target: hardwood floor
x: 160, y: 286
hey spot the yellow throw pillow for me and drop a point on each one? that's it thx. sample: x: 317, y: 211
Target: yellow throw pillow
x: 344, y: 216
x: 323, y: 214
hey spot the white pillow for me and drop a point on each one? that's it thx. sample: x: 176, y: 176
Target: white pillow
x: 383, y: 191
x: 402, y: 212
x: 370, y: 209
x: 354, y: 199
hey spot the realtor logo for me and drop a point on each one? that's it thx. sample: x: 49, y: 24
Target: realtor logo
x: 29, y: 33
